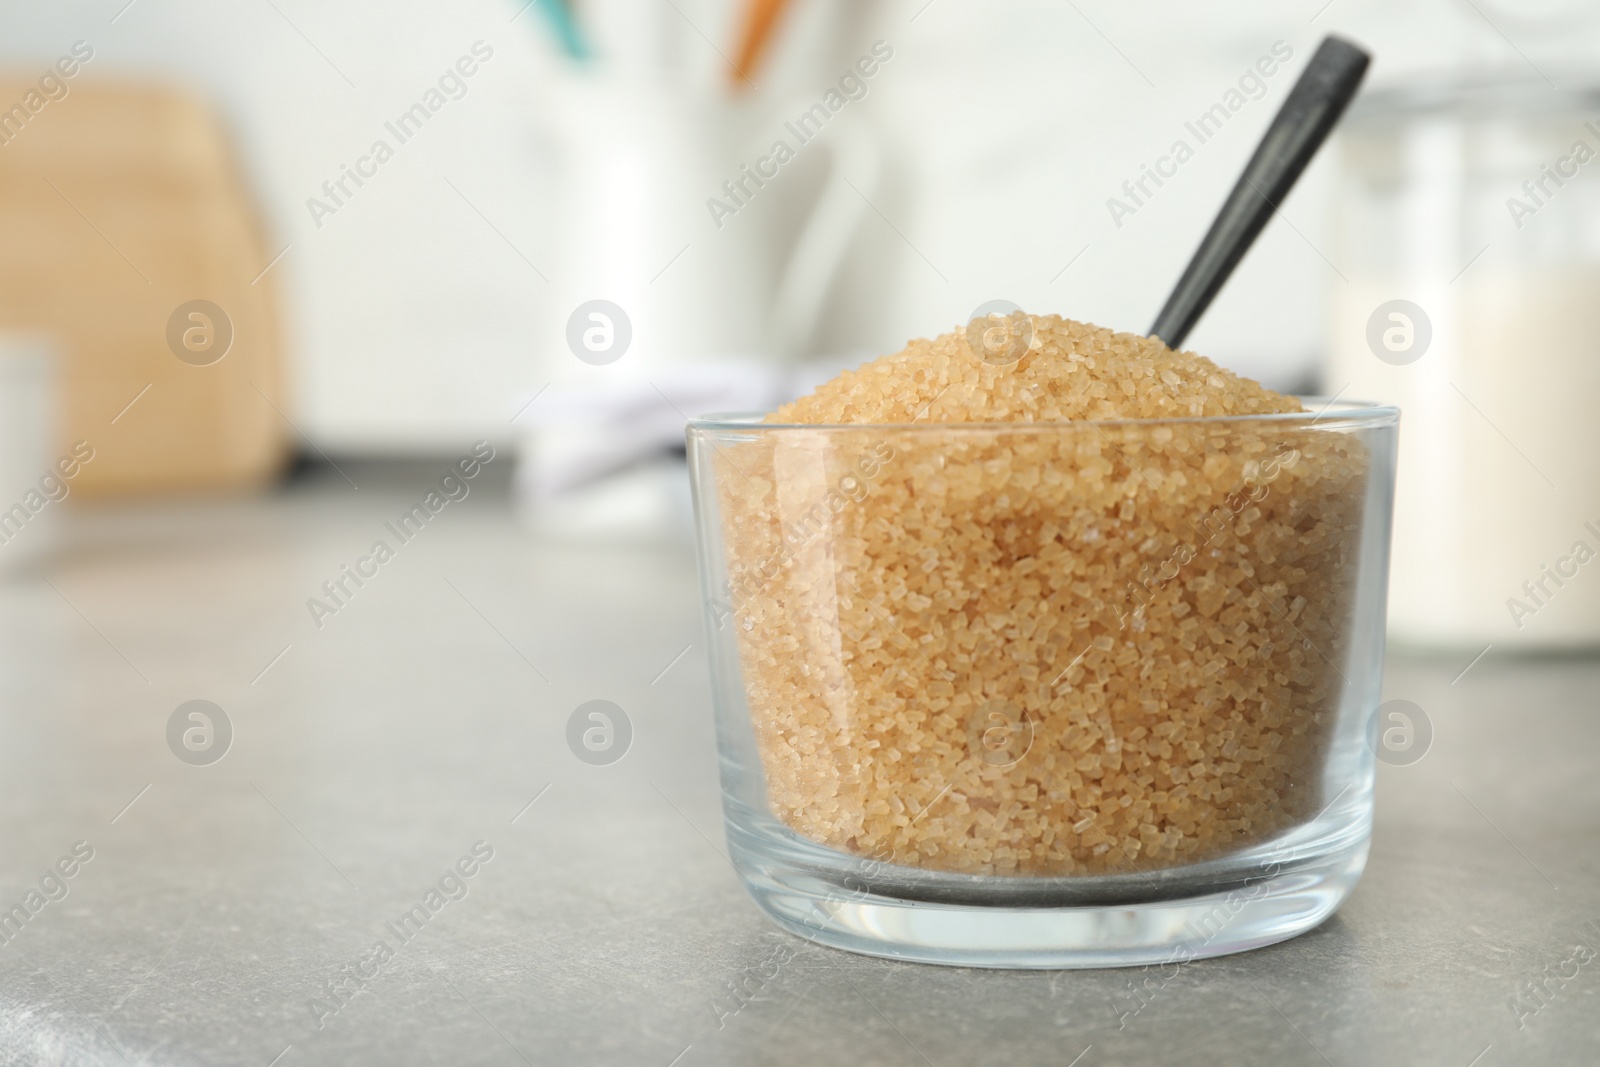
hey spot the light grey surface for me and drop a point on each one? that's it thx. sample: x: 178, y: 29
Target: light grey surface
x: 429, y: 711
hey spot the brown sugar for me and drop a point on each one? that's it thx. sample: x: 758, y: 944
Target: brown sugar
x: 1044, y: 641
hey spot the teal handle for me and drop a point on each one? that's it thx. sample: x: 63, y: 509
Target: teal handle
x: 559, y: 17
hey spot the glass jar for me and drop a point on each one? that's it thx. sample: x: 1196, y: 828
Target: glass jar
x: 1468, y: 293
x: 1047, y: 694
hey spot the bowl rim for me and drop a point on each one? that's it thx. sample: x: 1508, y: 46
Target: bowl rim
x: 1327, y: 412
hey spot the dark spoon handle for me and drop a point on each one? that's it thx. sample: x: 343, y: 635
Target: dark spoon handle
x: 1297, y: 131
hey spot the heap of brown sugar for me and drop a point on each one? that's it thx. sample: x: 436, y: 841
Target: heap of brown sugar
x: 1062, y: 645
x: 1066, y: 370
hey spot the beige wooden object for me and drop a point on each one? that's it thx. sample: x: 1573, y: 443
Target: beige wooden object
x: 119, y: 205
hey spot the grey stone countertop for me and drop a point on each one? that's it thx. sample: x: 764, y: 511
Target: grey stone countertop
x: 426, y: 718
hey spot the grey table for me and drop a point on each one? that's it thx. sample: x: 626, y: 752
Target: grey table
x: 223, y: 902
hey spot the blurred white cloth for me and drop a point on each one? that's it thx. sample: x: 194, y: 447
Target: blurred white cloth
x: 605, y: 458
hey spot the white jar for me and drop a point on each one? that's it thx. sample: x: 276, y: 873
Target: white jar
x: 1468, y: 237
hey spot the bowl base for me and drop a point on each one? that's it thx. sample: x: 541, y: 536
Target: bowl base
x: 1121, y: 934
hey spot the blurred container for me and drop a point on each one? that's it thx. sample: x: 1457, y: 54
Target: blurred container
x: 696, y: 261
x: 123, y: 210
x: 29, y: 485
x: 677, y: 210
x: 1469, y: 230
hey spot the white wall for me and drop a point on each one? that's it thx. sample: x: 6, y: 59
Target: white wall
x: 415, y: 325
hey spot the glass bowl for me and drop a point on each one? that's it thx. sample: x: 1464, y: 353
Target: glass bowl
x: 1070, y: 694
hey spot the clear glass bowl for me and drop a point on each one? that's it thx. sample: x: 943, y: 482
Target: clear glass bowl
x: 1047, y: 694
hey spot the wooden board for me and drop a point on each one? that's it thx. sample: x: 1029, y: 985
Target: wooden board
x: 119, y: 205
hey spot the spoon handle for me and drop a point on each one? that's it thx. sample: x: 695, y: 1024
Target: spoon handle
x: 1298, y: 130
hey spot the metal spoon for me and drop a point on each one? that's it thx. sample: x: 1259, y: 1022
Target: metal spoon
x: 1297, y: 131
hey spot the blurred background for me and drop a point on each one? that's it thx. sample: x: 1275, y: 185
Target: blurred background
x: 390, y: 221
